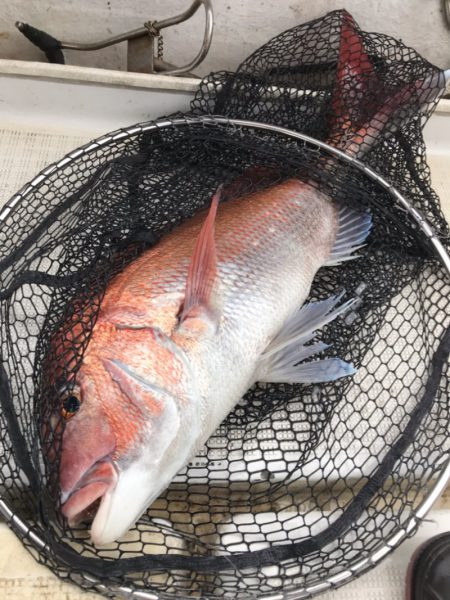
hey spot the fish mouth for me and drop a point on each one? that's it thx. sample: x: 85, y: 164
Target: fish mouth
x: 85, y: 500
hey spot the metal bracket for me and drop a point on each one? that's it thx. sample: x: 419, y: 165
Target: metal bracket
x: 141, y: 43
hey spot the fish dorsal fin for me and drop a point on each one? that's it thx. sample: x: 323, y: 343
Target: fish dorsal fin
x: 353, y: 229
x: 203, y: 267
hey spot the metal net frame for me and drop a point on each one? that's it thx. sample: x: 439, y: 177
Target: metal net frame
x: 302, y: 487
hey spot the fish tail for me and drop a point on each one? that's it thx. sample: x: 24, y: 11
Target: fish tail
x: 363, y: 105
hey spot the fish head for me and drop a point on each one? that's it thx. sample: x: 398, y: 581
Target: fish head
x: 123, y: 441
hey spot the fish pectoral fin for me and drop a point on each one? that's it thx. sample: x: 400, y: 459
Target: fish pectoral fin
x: 203, y: 268
x: 279, y: 363
x: 354, y: 227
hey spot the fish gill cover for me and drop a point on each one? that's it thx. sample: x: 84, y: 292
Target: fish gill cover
x: 300, y: 481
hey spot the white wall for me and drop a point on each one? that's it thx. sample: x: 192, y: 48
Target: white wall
x: 241, y: 26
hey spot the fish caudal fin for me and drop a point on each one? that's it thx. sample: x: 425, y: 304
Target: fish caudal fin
x: 363, y: 104
x: 354, y: 227
x: 355, y: 76
x: 280, y: 361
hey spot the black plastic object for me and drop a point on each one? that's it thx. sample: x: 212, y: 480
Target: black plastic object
x: 44, y: 41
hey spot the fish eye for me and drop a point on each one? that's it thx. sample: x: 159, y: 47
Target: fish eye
x: 70, y: 403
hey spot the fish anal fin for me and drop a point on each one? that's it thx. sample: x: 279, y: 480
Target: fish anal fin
x: 280, y: 361
x: 202, y: 270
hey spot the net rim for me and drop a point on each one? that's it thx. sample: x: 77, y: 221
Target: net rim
x: 357, y: 567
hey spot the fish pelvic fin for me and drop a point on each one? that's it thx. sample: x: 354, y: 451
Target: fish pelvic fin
x: 281, y: 362
x: 202, y: 271
x: 353, y: 229
x: 363, y: 105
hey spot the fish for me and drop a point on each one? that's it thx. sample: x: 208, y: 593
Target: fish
x: 185, y: 330
x: 192, y: 323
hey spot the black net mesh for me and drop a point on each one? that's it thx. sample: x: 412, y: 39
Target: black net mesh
x: 300, y: 482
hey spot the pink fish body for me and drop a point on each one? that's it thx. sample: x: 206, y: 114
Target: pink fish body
x: 182, y: 335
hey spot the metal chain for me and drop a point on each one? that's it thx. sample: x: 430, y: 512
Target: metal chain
x: 156, y: 33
